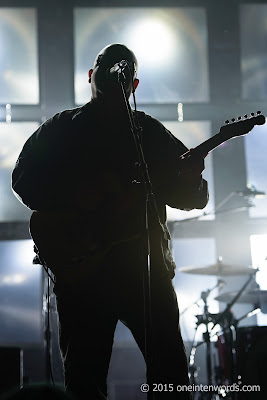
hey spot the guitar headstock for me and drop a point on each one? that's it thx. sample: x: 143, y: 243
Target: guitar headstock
x: 242, y: 125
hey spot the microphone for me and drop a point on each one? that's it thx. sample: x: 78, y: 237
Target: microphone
x: 251, y: 192
x: 221, y: 283
x: 117, y: 69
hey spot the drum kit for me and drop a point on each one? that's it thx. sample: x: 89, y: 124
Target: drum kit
x: 239, y: 351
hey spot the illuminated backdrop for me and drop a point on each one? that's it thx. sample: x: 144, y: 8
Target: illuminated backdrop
x: 170, y: 45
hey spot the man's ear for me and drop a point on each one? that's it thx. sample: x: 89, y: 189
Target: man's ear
x: 89, y: 74
x: 135, y: 83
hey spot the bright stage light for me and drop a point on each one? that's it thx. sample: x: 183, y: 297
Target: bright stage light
x: 152, y: 41
x: 14, y: 279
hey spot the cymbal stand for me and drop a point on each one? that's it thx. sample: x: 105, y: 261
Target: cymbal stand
x: 192, y: 368
x: 229, y: 305
x: 256, y: 310
x: 206, y: 336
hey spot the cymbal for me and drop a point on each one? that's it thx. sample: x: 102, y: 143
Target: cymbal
x: 249, y: 297
x: 219, y: 269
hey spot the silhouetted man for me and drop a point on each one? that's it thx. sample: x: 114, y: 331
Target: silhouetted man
x: 78, y: 170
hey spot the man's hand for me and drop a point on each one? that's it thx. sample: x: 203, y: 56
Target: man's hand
x: 191, y: 165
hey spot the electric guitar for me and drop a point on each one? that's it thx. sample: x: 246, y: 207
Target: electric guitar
x: 72, y: 251
x: 232, y: 128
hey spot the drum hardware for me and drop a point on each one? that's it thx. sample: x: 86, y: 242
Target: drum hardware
x: 206, y: 336
x: 255, y: 311
x: 227, y: 319
x: 220, y: 283
x: 226, y: 372
x: 227, y: 339
x: 219, y: 269
x: 235, y: 299
x: 254, y: 296
x: 193, y: 372
x: 230, y: 333
x: 216, y: 374
x: 206, y: 318
x: 252, y: 359
x: 247, y: 193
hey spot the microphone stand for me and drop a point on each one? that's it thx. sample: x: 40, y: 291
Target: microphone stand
x: 149, y: 206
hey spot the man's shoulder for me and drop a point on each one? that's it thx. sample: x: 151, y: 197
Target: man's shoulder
x: 153, y: 128
x: 148, y: 121
x: 56, y: 126
x: 67, y: 115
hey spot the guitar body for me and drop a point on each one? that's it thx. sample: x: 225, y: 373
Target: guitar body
x: 68, y: 243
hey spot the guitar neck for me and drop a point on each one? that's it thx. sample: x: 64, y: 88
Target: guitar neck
x: 229, y: 131
x: 210, y: 144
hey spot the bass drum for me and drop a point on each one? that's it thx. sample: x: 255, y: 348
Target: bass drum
x: 251, y: 360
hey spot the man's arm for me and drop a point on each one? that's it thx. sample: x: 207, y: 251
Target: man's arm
x: 177, y: 183
x: 35, y: 175
x: 192, y: 189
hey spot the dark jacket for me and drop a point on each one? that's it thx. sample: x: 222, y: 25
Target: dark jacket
x: 78, y: 159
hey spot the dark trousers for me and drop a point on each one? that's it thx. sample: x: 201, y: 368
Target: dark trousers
x: 89, y: 312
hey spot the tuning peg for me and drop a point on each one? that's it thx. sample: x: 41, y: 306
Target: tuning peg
x: 258, y: 112
x: 233, y: 119
x: 227, y: 121
x: 239, y: 118
x: 246, y: 116
x: 252, y: 114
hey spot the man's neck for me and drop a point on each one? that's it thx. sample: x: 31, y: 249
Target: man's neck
x: 114, y: 109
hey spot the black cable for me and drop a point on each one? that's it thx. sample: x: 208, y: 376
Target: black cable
x: 132, y: 73
x: 48, y: 336
x: 48, y: 274
x: 39, y: 260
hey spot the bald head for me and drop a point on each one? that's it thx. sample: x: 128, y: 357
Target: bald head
x: 114, y: 53
x: 105, y: 89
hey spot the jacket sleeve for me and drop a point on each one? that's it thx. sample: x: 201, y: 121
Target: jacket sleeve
x: 162, y: 151
x: 35, y: 177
